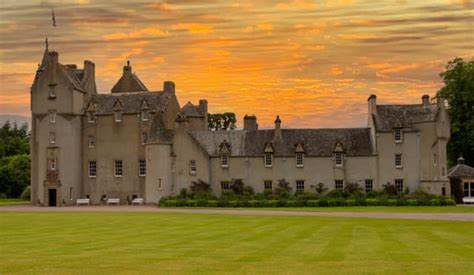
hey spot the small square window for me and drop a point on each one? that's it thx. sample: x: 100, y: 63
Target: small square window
x: 144, y: 137
x: 369, y: 187
x: 91, y: 142
x: 90, y: 117
x: 398, y: 161
x: 142, y: 168
x: 268, y: 185
x: 299, y: 160
x: 160, y: 184
x: 92, y: 169
x: 225, y: 160
x: 144, y: 115
x: 52, y: 92
x: 268, y: 158
x: 225, y: 185
x: 339, y: 185
x: 399, y: 185
x: 300, y: 186
x: 52, y: 164
x: 397, y: 135
x: 118, y: 168
x: 192, y: 167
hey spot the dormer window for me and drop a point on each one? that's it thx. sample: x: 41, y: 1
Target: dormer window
x: 339, y: 155
x: 398, y: 135
x: 144, y: 115
x: 225, y: 160
x: 192, y: 167
x: 90, y: 117
x: 224, y: 150
x: 118, y: 116
x: 268, y: 155
x: 91, y: 141
x: 299, y: 151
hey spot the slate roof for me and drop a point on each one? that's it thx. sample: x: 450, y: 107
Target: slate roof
x: 388, y: 116
x: 158, y: 131
x: 129, y: 82
x: 131, y: 102
x: 191, y: 110
x: 316, y: 142
x: 461, y: 171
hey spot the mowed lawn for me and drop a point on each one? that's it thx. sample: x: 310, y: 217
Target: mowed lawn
x: 107, y: 243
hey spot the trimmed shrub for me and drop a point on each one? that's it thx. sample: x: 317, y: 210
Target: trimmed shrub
x: 233, y: 203
x: 212, y: 203
x: 336, y: 202
x: 223, y: 202
x: 450, y: 202
x: 312, y: 203
x: 291, y: 203
x: 282, y: 202
x: 192, y: 203
x: 392, y: 202
x: 181, y: 202
x: 323, y: 202
x: 360, y: 201
x: 271, y: 203
x: 201, y: 202
x: 411, y: 202
x: 350, y: 202
x: 371, y: 202
x: 335, y: 194
x: 170, y: 203
x: 435, y: 202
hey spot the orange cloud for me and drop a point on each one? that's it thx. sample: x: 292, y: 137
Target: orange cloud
x: 356, y: 36
x: 335, y: 70
x: 193, y: 28
x: 147, y: 32
x: 265, y: 26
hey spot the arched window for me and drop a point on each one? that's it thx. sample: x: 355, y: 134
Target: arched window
x: 268, y: 155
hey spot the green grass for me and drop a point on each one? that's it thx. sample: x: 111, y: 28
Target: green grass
x: 182, y: 243
x: 13, y: 202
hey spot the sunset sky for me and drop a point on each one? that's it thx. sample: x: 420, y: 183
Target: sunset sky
x: 312, y: 62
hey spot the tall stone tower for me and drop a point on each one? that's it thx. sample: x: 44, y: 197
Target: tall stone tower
x: 58, y: 95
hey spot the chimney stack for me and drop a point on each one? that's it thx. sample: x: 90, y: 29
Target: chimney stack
x: 168, y: 86
x: 372, y: 104
x: 425, y: 99
x: 277, y: 133
x: 250, y: 123
x: 440, y: 102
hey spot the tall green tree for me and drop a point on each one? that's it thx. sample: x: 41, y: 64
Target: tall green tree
x: 459, y: 91
x: 222, y: 121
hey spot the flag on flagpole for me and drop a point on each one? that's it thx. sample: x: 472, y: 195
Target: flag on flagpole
x: 53, y: 17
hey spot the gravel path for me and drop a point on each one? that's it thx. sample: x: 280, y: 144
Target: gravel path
x: 373, y: 215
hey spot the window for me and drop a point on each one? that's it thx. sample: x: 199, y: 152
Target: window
x: 443, y: 171
x: 160, y: 185
x: 268, y: 185
x: 90, y: 117
x: 397, y: 135
x: 225, y: 185
x: 52, y: 117
x: 144, y: 115
x: 339, y: 185
x: 118, y: 168
x: 144, y: 137
x: 91, y: 142
x: 118, y: 116
x: 398, y: 161
x: 192, y: 167
x: 399, y: 185
x: 338, y: 158
x: 225, y: 160
x: 92, y: 169
x: 52, y: 164
x: 369, y: 187
x: 435, y: 159
x: 142, y: 168
x: 52, y: 92
x: 70, y: 193
x: 52, y: 137
x: 268, y: 159
x: 299, y: 159
x: 300, y: 186
x: 469, y: 189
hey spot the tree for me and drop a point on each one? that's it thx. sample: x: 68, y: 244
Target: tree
x: 222, y: 121
x: 14, y: 175
x: 283, y: 187
x: 459, y: 92
x: 14, y: 140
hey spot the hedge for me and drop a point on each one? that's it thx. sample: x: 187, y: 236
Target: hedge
x: 323, y: 202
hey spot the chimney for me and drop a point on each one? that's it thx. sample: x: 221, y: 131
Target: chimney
x: 127, y: 69
x: 250, y: 123
x: 372, y: 104
x: 53, y: 59
x: 440, y: 102
x: 168, y: 86
x: 425, y: 99
x: 277, y: 133
x: 460, y: 160
x: 89, y: 76
x: 203, y: 107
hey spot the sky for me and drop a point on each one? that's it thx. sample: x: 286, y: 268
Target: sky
x: 314, y: 63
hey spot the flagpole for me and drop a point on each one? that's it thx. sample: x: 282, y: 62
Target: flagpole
x: 53, y: 18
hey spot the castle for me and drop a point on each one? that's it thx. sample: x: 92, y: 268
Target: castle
x: 136, y: 143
